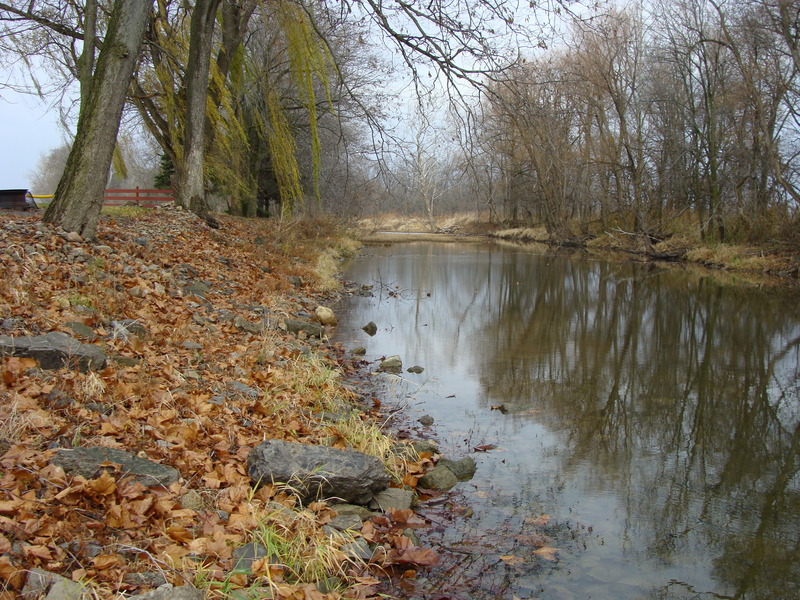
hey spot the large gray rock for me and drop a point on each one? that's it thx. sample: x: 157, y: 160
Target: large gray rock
x: 310, y: 329
x: 318, y: 471
x: 54, y: 350
x: 86, y: 462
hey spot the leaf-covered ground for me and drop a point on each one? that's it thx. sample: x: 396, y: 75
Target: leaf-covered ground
x: 200, y: 373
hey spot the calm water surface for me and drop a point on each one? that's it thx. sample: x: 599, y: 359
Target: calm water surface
x: 650, y: 413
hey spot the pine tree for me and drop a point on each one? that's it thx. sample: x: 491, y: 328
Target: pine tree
x: 163, y: 181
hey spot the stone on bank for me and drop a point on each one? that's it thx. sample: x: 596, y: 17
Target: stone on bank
x: 317, y: 472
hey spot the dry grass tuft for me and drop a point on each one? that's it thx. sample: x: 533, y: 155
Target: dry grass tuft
x: 527, y: 234
x: 92, y: 387
x: 366, y: 437
x: 20, y: 420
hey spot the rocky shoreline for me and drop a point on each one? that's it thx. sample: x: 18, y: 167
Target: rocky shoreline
x: 153, y: 381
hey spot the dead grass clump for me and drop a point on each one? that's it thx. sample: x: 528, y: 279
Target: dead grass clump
x: 394, y: 222
x: 527, y: 234
x: 92, y: 387
x: 15, y: 424
x: 328, y: 264
x: 367, y: 437
x: 296, y: 554
x: 676, y: 245
x: 21, y: 417
x: 735, y: 257
x: 318, y: 384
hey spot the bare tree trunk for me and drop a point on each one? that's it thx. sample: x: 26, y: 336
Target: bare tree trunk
x: 86, y: 59
x: 79, y: 196
x: 191, y: 190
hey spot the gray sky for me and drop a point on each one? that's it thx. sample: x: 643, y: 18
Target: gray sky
x: 29, y: 129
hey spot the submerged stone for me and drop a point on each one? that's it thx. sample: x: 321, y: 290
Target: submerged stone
x: 463, y: 469
x: 392, y: 364
x: 440, y: 478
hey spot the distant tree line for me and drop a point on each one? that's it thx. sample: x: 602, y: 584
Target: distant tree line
x: 683, y: 109
x: 677, y: 110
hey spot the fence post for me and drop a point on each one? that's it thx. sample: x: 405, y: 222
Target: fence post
x: 137, y: 196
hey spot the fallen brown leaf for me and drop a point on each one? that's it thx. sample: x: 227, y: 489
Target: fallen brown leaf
x: 418, y: 556
x: 103, y: 485
x: 484, y: 447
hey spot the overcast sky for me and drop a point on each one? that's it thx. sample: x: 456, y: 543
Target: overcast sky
x: 29, y: 129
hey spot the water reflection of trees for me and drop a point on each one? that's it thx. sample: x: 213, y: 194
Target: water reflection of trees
x: 699, y: 380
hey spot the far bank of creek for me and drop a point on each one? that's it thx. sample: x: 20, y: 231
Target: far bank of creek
x: 646, y: 421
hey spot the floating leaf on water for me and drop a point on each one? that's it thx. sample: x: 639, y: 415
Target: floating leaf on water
x: 547, y: 553
x: 418, y: 556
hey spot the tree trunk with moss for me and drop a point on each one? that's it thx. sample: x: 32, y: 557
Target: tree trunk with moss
x: 79, y: 196
x: 191, y: 189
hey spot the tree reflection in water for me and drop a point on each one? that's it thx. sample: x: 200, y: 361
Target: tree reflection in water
x: 676, y: 397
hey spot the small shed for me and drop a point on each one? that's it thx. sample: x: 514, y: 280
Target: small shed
x: 16, y: 199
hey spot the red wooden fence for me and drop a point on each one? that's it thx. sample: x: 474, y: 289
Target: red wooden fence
x: 137, y: 197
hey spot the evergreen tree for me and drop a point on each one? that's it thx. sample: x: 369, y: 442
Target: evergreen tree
x: 163, y: 181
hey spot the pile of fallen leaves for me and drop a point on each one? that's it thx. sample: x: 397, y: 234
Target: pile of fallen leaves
x: 206, y: 307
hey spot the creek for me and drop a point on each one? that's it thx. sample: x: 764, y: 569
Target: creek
x: 644, y: 421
